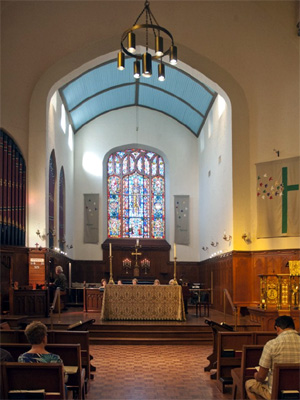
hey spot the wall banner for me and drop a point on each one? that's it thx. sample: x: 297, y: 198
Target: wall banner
x: 182, y: 213
x: 91, y: 218
x: 278, y: 198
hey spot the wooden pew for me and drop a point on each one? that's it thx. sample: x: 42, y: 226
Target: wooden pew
x: 235, y: 341
x: 285, y: 377
x: 229, y: 353
x: 212, y: 358
x: 250, y: 358
x: 30, y: 376
x: 69, y: 353
x: 262, y: 337
x: 57, y: 336
x: 81, y: 337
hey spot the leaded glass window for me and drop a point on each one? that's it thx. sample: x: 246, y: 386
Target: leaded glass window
x: 136, y: 194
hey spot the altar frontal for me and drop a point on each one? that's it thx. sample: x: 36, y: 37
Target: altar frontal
x: 147, y: 303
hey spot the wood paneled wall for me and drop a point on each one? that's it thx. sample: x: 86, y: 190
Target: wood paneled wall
x: 236, y: 271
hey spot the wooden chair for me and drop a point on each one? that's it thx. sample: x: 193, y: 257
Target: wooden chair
x: 250, y: 358
x: 203, y: 302
x: 285, y: 377
x: 30, y: 376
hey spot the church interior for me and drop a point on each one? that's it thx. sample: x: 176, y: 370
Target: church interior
x: 138, y: 149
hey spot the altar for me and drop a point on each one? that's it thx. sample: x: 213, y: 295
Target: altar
x: 143, y: 302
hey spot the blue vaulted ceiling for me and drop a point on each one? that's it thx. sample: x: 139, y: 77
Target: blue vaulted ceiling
x: 105, y: 88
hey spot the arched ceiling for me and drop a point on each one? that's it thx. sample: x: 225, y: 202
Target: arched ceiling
x: 105, y: 88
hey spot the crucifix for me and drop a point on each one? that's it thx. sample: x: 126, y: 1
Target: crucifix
x: 136, y: 269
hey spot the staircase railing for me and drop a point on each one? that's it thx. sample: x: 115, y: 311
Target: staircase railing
x: 52, y: 308
x: 233, y: 307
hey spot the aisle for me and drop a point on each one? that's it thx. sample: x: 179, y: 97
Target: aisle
x: 152, y: 373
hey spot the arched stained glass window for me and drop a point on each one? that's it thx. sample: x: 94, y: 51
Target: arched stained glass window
x: 52, y: 197
x: 136, y: 194
x: 61, y: 214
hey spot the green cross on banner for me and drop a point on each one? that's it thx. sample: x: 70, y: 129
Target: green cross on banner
x: 278, y: 198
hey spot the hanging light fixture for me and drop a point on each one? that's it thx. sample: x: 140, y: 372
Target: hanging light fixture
x: 158, y: 42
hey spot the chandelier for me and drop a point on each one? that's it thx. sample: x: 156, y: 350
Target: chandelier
x: 152, y: 32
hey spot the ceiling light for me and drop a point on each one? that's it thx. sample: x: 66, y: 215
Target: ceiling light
x: 160, y: 35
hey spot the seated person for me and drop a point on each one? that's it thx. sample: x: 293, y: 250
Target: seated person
x: 171, y: 282
x: 284, y: 349
x: 134, y: 281
x: 103, y: 284
x: 60, y: 282
x: 5, y: 356
x: 36, y: 334
x: 156, y: 282
x: 120, y: 282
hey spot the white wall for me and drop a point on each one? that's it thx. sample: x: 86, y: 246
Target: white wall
x: 63, y: 145
x: 215, y: 182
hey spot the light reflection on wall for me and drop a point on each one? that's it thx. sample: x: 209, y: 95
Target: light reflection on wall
x: 92, y: 164
x: 70, y: 138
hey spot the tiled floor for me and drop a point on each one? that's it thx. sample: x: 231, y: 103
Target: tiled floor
x: 152, y: 372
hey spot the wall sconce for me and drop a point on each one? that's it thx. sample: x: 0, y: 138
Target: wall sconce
x: 277, y: 152
x: 51, y: 232
x: 205, y: 248
x: 214, y: 244
x: 69, y: 246
x: 227, y: 237
x: 42, y: 237
x: 246, y: 237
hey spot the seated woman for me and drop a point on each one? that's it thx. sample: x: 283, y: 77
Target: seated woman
x: 36, y: 334
x: 156, y: 282
x: 134, y: 281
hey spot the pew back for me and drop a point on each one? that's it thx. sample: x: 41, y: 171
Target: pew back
x: 250, y: 359
x: 70, y: 355
x: 55, y: 336
x: 30, y: 376
x: 285, y: 377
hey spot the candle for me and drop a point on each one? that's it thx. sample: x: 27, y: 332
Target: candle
x: 174, y: 250
x: 110, y: 249
x: 137, y: 242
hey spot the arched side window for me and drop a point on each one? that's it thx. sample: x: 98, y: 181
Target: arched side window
x: 61, y: 215
x: 12, y: 192
x: 136, y: 194
x: 52, y: 197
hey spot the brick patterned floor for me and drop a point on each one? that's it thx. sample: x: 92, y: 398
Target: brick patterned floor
x: 152, y: 372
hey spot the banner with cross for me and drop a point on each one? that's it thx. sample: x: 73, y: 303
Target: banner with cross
x: 278, y: 199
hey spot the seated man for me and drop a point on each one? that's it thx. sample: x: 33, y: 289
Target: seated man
x: 284, y: 349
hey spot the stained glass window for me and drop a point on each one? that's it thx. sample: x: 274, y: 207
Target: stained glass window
x: 136, y: 195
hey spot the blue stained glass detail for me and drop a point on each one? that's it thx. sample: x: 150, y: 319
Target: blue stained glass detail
x: 161, y: 167
x: 132, y: 164
x: 154, y: 166
x: 146, y: 166
x: 125, y: 165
